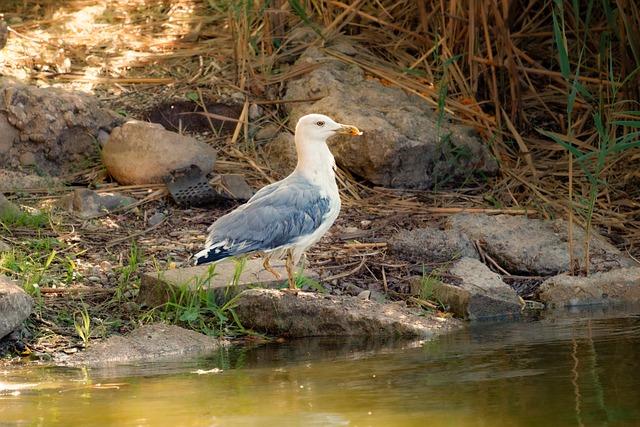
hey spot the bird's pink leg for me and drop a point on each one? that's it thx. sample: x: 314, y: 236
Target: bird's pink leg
x: 270, y: 269
x: 290, y: 270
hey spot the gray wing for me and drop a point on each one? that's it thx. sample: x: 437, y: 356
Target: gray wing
x: 276, y: 218
x: 265, y: 191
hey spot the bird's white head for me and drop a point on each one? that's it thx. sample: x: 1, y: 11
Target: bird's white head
x: 315, y: 161
x: 318, y: 128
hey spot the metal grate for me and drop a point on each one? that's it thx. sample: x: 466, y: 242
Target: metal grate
x: 189, y: 187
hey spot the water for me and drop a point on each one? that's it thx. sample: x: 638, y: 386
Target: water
x: 578, y: 370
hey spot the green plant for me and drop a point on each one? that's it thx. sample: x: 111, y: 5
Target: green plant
x: 195, y: 306
x: 11, y: 218
x: 83, y: 326
x: 613, y: 136
x: 127, y: 273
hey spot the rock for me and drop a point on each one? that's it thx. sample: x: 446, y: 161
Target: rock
x: 431, y: 245
x: 15, y: 306
x: 280, y: 153
x: 4, y: 247
x: 481, y: 294
x: 156, y: 219
x: 403, y: 145
x: 148, y: 343
x: 267, y: 132
x: 611, y: 287
x: 52, y: 128
x: 144, y: 153
x: 11, y: 180
x: 535, y: 247
x: 157, y: 287
x: 235, y: 186
x: 88, y: 204
x: 7, y: 209
x: 311, y: 315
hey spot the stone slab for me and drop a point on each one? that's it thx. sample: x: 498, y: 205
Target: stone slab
x: 310, y: 314
x: 156, y: 287
x: 481, y: 294
x: 608, y: 288
x: 149, y: 343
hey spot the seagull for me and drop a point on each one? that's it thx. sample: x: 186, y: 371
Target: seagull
x: 285, y: 218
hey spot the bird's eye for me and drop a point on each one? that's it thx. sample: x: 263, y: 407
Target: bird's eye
x: 320, y: 123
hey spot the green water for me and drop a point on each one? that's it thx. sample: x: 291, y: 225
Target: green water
x: 578, y: 370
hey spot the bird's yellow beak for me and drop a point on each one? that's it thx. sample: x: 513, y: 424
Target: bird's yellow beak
x: 349, y: 130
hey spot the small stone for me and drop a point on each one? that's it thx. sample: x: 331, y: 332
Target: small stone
x: 94, y: 279
x: 267, y: 132
x: 4, y: 247
x: 87, y: 203
x: 103, y: 137
x: 364, y: 295
x: 236, y: 186
x: 27, y: 158
x: 255, y: 112
x: 156, y: 219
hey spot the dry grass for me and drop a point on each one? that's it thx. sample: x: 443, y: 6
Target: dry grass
x: 497, y: 60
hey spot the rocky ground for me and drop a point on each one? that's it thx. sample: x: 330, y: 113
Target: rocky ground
x: 421, y: 238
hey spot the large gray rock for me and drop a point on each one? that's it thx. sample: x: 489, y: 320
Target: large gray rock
x: 88, y: 204
x: 611, y: 287
x: 431, y: 245
x: 533, y: 246
x: 403, y: 145
x: 144, y: 153
x: 148, y: 343
x: 280, y: 153
x: 316, y: 315
x: 481, y: 293
x: 15, y: 306
x: 50, y: 128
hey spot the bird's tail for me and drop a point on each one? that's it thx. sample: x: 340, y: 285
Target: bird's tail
x: 210, y: 254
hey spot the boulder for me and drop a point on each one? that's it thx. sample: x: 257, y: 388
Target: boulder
x: 481, y: 293
x: 148, y: 343
x: 315, y: 315
x: 52, y: 128
x: 15, y: 306
x: 431, y: 245
x: 143, y: 153
x: 529, y: 246
x: 88, y: 204
x: 280, y: 154
x: 604, y: 288
x: 405, y: 143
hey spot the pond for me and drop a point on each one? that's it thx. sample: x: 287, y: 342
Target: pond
x: 563, y: 370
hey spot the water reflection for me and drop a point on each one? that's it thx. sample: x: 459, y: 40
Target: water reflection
x: 565, y: 369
